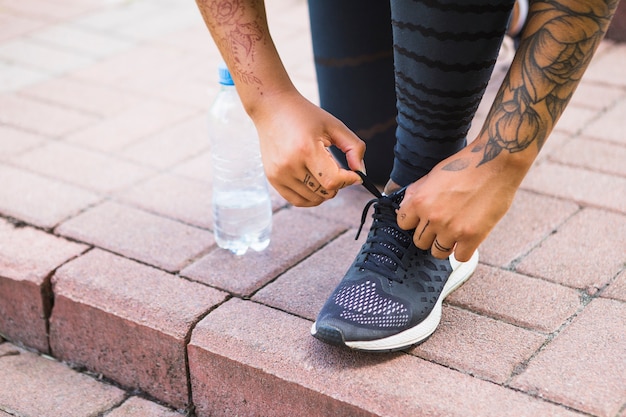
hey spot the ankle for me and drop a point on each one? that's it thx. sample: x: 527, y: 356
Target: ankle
x: 390, y: 187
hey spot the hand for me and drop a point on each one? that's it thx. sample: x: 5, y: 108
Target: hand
x: 458, y: 203
x: 294, y: 136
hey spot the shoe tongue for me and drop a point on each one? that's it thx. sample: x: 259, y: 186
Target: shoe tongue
x: 390, y: 236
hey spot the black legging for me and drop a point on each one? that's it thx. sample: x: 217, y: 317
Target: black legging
x: 444, y: 53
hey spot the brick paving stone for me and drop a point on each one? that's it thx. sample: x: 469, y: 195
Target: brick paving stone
x: 69, y: 37
x: 138, y: 407
x: 596, y: 96
x: 39, y: 117
x: 245, y: 274
x: 303, y: 289
x: 617, y: 289
x: 479, y: 346
x: 575, y: 118
x: 597, y: 234
x: 593, y: 155
x: 530, y: 219
x: 49, y: 59
x: 52, y: 389
x: 346, y: 207
x: 118, y: 13
x: 179, y: 198
x: 27, y: 258
x: 608, y: 127
x: 553, y: 145
x: 83, y: 95
x: 240, y: 368
x: 578, y: 184
x: 607, y: 66
x: 43, y: 10
x: 14, y: 141
x: 129, y: 126
x: 524, y: 301
x: 159, y: 24
x: 25, y: 194
x: 82, y: 167
x: 12, y: 25
x: 171, y: 146
x: 584, y: 367
x: 138, y: 235
x: 197, y: 168
x: 14, y: 76
x: 127, y: 321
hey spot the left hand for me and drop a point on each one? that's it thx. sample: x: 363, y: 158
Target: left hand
x: 458, y: 203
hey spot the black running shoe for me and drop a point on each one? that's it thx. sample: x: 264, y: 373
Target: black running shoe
x: 391, y: 296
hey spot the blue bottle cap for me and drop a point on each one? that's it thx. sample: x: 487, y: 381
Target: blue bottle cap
x: 225, y: 78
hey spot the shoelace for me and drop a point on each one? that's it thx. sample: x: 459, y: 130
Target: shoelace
x: 388, y: 243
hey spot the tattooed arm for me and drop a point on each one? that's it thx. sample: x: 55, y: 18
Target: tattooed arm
x: 294, y: 134
x: 463, y: 197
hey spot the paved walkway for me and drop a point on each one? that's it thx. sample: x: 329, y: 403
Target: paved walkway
x: 115, y: 301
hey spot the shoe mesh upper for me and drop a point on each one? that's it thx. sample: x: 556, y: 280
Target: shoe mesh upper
x: 363, y: 304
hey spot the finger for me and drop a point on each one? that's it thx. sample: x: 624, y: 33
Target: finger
x: 464, y: 250
x: 297, y: 199
x: 440, y: 250
x: 316, y: 187
x: 329, y: 174
x: 424, y: 235
x: 350, y: 144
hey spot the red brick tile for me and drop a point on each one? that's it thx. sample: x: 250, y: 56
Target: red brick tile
x: 169, y: 147
x: 479, y: 346
x: 82, y: 167
x: 138, y: 407
x: 51, y: 389
x: 197, y: 168
x: 12, y: 25
x: 577, y: 184
x: 586, y: 252
x: 606, y: 67
x: 303, y: 289
x: 46, y: 11
x: 14, y: 76
x: 39, y: 117
x: 530, y: 219
x: 240, y: 368
x: 575, y: 118
x: 596, y: 96
x: 517, y: 299
x: 246, y: 274
x: 583, y: 367
x: 593, y: 155
x: 617, y: 289
x: 138, y: 235
x: 27, y: 258
x: 127, y: 127
x: 127, y: 321
x: 14, y: 141
x: 46, y: 58
x: 346, y: 207
x: 71, y: 37
x: 609, y: 125
x: 179, y: 198
x: 82, y: 95
x: 38, y: 200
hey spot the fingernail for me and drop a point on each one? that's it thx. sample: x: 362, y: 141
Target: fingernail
x: 363, y: 167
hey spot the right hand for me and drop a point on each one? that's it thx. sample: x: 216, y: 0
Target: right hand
x: 294, y: 135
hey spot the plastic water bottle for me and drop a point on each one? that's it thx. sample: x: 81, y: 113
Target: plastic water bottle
x: 242, y: 211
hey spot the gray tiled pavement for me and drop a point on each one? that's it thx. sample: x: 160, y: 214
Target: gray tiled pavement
x: 115, y: 301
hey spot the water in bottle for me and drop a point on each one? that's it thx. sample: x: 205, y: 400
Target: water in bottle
x: 242, y: 211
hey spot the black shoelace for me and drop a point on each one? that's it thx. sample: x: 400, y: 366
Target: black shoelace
x: 388, y: 242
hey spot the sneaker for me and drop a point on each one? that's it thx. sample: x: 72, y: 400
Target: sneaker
x: 391, y: 296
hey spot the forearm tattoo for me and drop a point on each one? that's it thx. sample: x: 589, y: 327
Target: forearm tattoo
x: 237, y: 31
x: 559, y: 41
